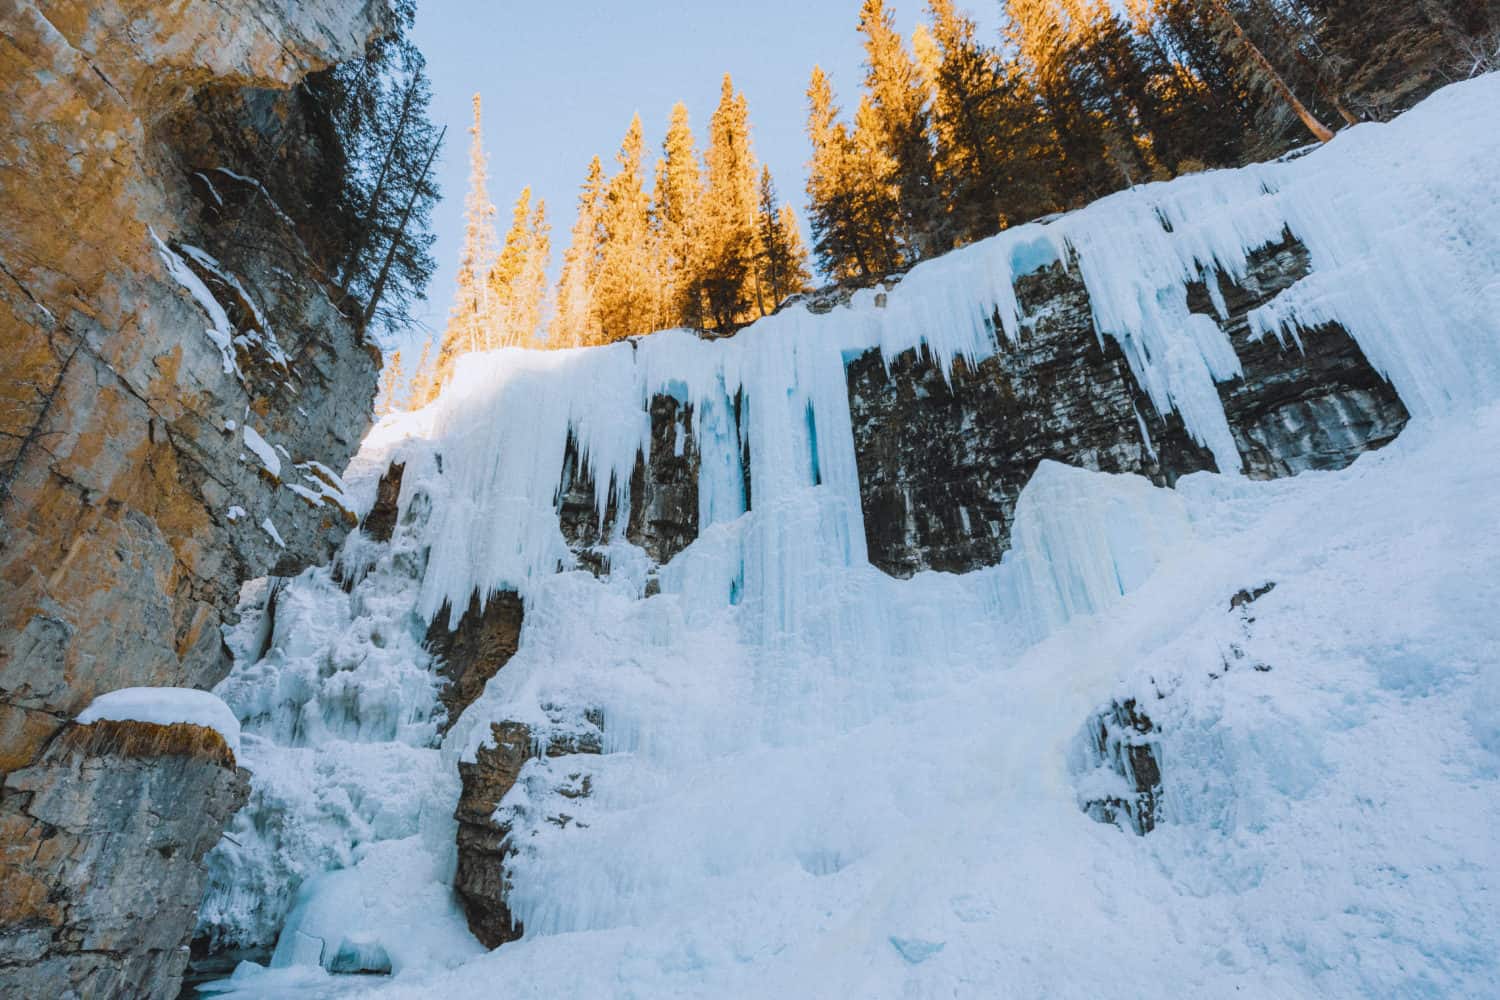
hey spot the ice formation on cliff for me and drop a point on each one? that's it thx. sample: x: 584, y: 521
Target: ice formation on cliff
x: 821, y: 781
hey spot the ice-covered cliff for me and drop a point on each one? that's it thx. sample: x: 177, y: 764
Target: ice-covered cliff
x: 723, y: 731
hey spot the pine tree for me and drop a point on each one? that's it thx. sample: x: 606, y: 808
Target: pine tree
x: 724, y: 267
x: 517, y: 282
x: 471, y: 322
x: 421, y: 392
x: 852, y: 210
x: 576, y: 321
x: 992, y: 146
x: 530, y: 294
x: 390, y: 386
x: 877, y: 216
x: 1260, y: 70
x: 625, y: 290
x: 798, y: 275
x: 900, y: 127
x: 380, y: 218
x: 781, y: 266
x: 675, y: 205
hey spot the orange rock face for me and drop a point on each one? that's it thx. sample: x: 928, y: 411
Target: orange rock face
x: 130, y: 507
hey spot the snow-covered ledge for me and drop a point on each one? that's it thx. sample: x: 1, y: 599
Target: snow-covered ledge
x: 166, y: 706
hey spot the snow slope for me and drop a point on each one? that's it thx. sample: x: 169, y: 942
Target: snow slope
x: 821, y: 781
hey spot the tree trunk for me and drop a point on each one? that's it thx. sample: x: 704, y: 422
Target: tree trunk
x: 1317, y: 128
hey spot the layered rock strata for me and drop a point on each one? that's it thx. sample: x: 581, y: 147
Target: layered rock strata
x: 942, y: 461
x: 102, y: 840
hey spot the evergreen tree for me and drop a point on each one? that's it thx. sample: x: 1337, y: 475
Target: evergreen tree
x: 1258, y: 68
x: 725, y: 262
x: 900, y: 128
x: 470, y: 324
x: 517, y: 282
x: 420, y: 392
x: 576, y: 321
x: 877, y: 213
x: 530, y: 296
x: 675, y: 204
x: 782, y: 260
x: 390, y: 386
x: 852, y: 210
x: 380, y: 218
x: 625, y: 289
x: 993, y: 149
x: 798, y: 275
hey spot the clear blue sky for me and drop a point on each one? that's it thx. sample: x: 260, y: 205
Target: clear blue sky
x: 561, y: 79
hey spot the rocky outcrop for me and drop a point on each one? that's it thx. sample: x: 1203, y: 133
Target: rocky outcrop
x: 103, y: 839
x: 1121, y: 767
x: 483, y: 840
x: 663, y: 516
x: 943, y: 461
x: 473, y: 652
x: 380, y: 522
x: 159, y: 305
x: 1121, y: 743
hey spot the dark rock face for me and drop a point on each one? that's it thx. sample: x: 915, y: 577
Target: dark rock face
x: 941, y: 465
x: 663, y: 516
x: 664, y: 490
x: 1120, y: 740
x: 942, y: 462
x: 1317, y: 407
x: 103, y: 839
x: 480, y: 879
x: 380, y: 522
x: 484, y: 641
x: 483, y: 843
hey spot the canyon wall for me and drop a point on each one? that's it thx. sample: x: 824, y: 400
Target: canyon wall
x: 173, y: 368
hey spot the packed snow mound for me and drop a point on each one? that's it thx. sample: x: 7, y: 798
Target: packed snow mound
x: 816, y: 780
x: 166, y: 706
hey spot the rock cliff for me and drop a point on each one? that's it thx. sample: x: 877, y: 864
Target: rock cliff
x: 173, y: 367
x: 943, y: 460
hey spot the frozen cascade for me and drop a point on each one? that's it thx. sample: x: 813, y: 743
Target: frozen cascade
x: 745, y: 707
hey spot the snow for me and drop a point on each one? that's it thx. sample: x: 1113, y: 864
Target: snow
x: 817, y: 780
x: 165, y: 706
x: 261, y: 336
x: 269, y: 460
x: 234, y: 513
x: 269, y: 527
x: 220, y: 330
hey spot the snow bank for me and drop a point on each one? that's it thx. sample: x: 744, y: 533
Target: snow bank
x: 164, y: 706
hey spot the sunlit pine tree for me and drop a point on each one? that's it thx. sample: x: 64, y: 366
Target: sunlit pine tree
x: 899, y: 125
x: 625, y: 292
x: 575, y: 323
x: 781, y: 266
x: 470, y: 325
x: 676, y: 201
x: 386, y: 401
x: 725, y: 260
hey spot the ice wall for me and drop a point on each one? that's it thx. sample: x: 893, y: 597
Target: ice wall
x: 772, y: 640
x: 1401, y: 227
